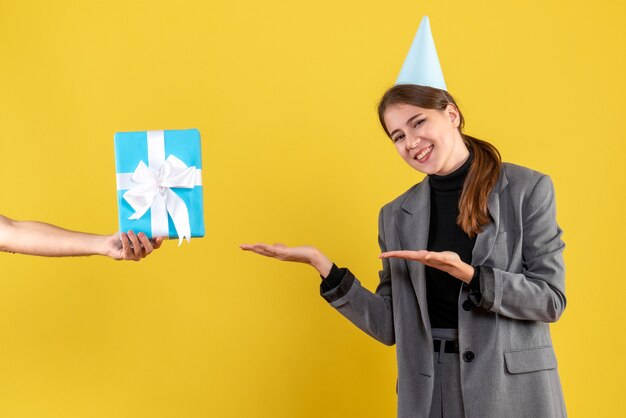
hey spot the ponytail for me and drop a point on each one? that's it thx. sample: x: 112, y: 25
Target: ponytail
x: 480, y: 181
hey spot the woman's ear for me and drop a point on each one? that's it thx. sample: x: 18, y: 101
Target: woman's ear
x: 453, y: 114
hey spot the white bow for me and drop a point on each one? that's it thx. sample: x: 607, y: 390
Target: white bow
x: 152, y: 189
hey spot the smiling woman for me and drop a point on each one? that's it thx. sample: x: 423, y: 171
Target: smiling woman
x: 472, y: 270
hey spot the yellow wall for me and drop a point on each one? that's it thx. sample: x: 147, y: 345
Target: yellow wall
x: 284, y: 95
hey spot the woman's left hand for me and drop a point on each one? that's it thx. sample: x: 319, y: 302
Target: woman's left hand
x: 447, y: 261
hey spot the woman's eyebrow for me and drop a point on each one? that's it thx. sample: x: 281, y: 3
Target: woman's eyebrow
x: 408, y: 122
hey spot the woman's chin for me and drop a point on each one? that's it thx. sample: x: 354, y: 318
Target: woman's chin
x: 423, y: 168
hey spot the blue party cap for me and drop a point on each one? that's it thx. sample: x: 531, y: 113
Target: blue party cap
x: 421, y: 65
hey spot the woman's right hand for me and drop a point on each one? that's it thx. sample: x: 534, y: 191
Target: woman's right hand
x: 302, y: 254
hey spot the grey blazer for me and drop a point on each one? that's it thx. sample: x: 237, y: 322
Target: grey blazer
x: 514, y: 370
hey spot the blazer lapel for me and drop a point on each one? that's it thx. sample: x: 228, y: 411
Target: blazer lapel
x: 412, y: 222
x: 486, y: 239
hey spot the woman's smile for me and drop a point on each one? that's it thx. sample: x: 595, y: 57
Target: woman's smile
x: 424, y: 154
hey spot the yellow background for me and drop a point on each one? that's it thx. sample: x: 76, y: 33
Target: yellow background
x: 284, y: 95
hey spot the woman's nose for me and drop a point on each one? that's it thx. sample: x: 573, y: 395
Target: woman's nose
x: 412, y: 142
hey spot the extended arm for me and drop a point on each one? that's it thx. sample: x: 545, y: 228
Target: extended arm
x: 371, y: 312
x: 38, y: 238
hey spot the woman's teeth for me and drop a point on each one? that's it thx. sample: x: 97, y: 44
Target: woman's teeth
x: 425, y: 152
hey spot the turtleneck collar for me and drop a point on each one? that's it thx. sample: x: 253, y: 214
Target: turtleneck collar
x: 453, y: 181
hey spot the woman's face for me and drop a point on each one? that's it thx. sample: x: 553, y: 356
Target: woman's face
x: 427, y: 139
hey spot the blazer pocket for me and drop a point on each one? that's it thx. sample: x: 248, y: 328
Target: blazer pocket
x: 526, y: 361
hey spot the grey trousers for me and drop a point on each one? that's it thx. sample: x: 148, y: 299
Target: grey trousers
x: 447, y: 396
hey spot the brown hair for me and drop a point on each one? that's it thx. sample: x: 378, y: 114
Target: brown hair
x: 485, y: 169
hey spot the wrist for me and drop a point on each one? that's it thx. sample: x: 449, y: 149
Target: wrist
x: 321, y: 263
x: 467, y: 273
x: 100, y: 245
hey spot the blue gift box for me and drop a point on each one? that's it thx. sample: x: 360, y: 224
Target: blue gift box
x: 159, y: 183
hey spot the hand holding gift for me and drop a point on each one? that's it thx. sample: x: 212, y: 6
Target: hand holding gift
x: 131, y: 246
x: 157, y: 197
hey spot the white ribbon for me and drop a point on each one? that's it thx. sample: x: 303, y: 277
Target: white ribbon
x: 151, y: 189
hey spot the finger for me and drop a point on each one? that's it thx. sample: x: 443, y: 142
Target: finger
x: 136, y: 245
x: 267, y: 250
x: 146, y: 244
x: 250, y: 246
x: 436, y: 257
x: 126, y: 250
x: 406, y: 254
x: 156, y: 242
x: 263, y: 249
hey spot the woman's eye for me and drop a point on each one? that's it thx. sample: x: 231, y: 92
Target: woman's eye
x: 419, y: 122
x: 398, y: 138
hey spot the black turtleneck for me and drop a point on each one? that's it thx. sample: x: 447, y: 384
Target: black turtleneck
x: 442, y: 290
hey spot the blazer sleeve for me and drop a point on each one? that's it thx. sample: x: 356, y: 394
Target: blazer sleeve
x: 371, y: 312
x: 538, y: 292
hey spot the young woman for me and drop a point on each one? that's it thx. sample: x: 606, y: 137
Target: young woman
x: 472, y: 272
x: 38, y: 238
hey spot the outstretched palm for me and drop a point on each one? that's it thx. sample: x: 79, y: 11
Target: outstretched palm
x: 447, y: 261
x: 301, y: 254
